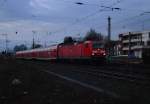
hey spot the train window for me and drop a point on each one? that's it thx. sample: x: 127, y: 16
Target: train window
x: 49, y: 53
x: 86, y: 45
x: 98, y: 45
x: 148, y: 43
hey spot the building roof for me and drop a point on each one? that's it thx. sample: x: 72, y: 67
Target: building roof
x: 134, y: 32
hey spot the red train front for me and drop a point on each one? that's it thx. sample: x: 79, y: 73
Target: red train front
x: 98, y: 50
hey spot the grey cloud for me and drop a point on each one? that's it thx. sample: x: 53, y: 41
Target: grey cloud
x: 64, y: 17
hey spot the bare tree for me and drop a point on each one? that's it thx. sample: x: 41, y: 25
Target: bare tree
x: 68, y: 39
x: 20, y: 47
x: 94, y: 36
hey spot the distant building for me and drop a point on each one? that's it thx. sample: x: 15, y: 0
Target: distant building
x: 114, y: 48
x: 132, y: 43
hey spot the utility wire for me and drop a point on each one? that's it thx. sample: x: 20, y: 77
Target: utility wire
x: 88, y: 16
x: 146, y: 20
x: 79, y: 20
x: 132, y: 19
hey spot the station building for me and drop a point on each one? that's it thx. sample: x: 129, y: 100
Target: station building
x: 133, y: 43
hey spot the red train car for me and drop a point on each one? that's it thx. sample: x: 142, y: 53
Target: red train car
x: 41, y: 53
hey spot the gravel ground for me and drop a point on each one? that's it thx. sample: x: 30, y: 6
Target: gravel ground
x: 23, y: 82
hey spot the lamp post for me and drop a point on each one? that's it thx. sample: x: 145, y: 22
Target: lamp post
x: 6, y: 42
x: 129, y: 52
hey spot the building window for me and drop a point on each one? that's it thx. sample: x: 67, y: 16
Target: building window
x: 149, y: 34
x: 148, y: 43
x: 142, y: 43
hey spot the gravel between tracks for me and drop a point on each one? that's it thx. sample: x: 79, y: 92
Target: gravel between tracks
x: 22, y: 82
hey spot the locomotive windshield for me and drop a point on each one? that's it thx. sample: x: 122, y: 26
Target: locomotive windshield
x: 98, y: 45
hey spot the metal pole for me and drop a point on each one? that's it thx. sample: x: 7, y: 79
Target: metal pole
x: 109, y: 29
x: 33, y: 41
x: 6, y: 43
x: 143, y: 26
x: 33, y: 44
x: 109, y: 34
x: 129, y: 53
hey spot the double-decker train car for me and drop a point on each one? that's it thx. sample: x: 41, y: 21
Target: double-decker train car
x: 78, y: 50
x: 49, y: 53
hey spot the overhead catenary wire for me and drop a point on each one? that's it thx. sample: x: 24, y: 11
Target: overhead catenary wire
x: 132, y: 20
x: 79, y: 20
x: 86, y: 17
x: 126, y: 21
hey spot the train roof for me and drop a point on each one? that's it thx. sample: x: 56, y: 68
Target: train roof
x: 39, y: 49
x: 78, y: 42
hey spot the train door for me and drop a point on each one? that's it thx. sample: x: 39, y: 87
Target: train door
x: 87, y: 50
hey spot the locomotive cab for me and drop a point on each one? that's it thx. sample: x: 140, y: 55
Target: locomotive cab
x: 98, y: 50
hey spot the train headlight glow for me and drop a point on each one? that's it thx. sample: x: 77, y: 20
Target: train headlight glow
x: 93, y: 54
x: 104, y: 54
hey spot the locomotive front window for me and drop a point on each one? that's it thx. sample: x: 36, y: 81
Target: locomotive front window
x: 98, y: 45
x: 86, y: 45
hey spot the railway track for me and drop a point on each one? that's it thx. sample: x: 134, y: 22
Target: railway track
x: 117, y: 75
x: 112, y: 83
x: 136, y: 80
x: 126, y: 69
x: 84, y: 84
x: 112, y: 72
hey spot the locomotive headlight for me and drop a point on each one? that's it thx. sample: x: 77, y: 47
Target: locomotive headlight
x: 104, y: 54
x: 93, y: 54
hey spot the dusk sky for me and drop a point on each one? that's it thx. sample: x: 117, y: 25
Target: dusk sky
x: 52, y: 20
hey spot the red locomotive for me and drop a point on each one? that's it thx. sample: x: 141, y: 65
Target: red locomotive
x: 79, y: 50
